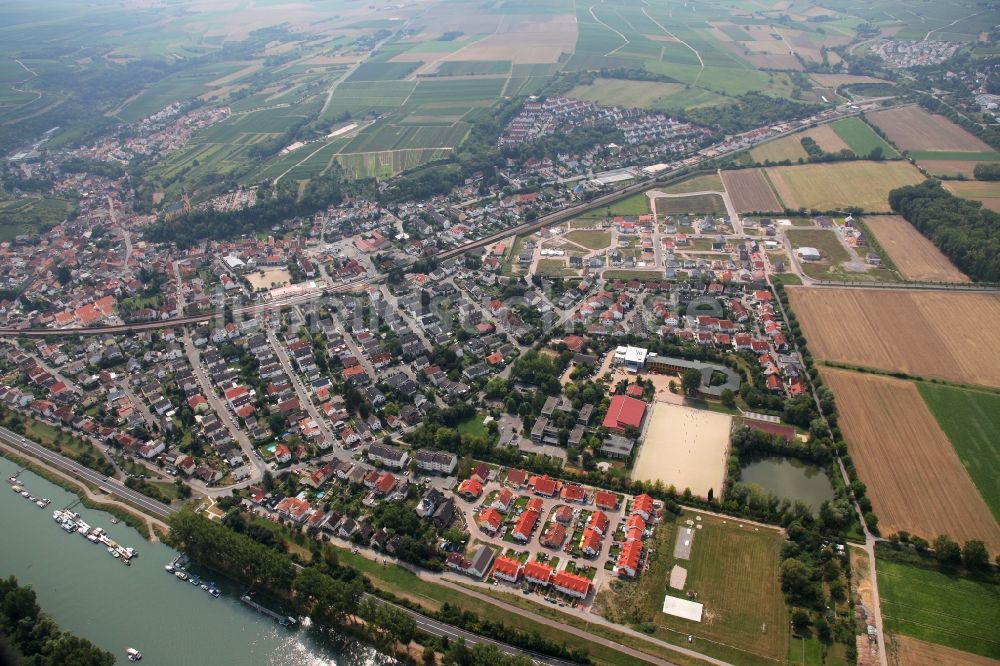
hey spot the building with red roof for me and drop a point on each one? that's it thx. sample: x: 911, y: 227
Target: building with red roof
x: 534, y: 504
x: 538, y: 573
x: 282, y: 454
x: 489, y: 521
x: 624, y: 412
x: 590, y: 542
x: 543, y: 485
x: 503, y: 500
x: 599, y: 522
x: 573, y: 493
x: 643, y: 506
x: 564, y: 514
x: 554, y: 536
x: 629, y: 558
x: 525, y: 525
x: 606, y: 501
x: 571, y: 584
x: 516, y: 477
x: 470, y: 489
x: 506, y: 568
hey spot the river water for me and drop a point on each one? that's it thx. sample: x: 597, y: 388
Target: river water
x: 93, y: 595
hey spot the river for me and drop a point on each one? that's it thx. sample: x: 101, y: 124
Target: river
x: 91, y: 594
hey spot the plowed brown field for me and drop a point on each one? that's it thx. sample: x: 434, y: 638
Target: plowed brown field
x: 950, y: 335
x: 750, y: 191
x: 916, y: 257
x: 912, y: 128
x: 915, y: 479
x: 915, y: 652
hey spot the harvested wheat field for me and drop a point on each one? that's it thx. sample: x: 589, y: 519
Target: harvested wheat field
x: 912, y: 128
x: 915, y: 652
x: 953, y: 168
x: 949, y: 335
x: 916, y: 257
x: 840, y: 185
x: 827, y: 139
x: 915, y: 479
x: 985, y: 192
x: 750, y: 191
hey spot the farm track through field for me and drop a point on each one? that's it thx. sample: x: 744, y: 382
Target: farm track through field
x: 693, y: 50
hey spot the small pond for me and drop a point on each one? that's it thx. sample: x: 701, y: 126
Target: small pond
x: 791, y: 478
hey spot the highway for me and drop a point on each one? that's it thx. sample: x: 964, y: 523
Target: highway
x: 111, y: 486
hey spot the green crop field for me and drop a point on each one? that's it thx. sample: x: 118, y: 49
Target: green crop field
x: 31, y: 215
x: 430, y: 90
x: 824, y: 240
x: 861, y: 138
x: 971, y: 419
x: 704, y: 183
x: 473, y: 67
x: 646, y: 94
x: 938, y: 608
x: 382, y: 71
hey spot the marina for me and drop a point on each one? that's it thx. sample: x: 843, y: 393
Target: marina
x: 72, y: 522
x: 149, y: 609
x: 177, y: 567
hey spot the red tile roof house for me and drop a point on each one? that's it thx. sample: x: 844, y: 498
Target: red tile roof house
x: 525, y: 526
x: 564, y: 514
x: 538, y: 573
x: 507, y: 569
x: 470, y: 489
x: 516, y: 477
x: 554, y: 536
x: 590, y: 542
x: 543, y: 485
x: 606, y: 501
x: 282, y: 454
x: 599, y: 522
x: 490, y: 521
x: 571, y: 584
x: 629, y: 558
x: 503, y: 501
x: 573, y: 493
x: 643, y: 506
x: 623, y: 412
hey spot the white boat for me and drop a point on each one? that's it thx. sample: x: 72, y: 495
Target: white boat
x: 16, y: 488
x: 25, y: 494
x: 92, y: 538
x: 133, y: 654
x: 181, y: 575
x: 169, y: 568
x: 57, y: 516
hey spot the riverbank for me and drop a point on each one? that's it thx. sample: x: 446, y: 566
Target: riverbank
x: 151, y: 529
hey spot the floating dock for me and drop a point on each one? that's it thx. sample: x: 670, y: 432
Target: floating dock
x: 72, y: 522
x: 283, y: 620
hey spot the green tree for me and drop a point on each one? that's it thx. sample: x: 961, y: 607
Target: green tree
x: 691, y: 381
x: 946, y: 551
x: 728, y: 398
x: 975, y: 556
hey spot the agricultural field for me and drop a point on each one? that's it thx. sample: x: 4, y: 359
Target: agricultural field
x: 935, y: 607
x: 751, y: 191
x: 915, y: 257
x: 785, y: 148
x: 685, y: 448
x: 643, y: 94
x: 841, y: 185
x: 971, y: 420
x: 694, y: 204
x: 860, y: 138
x: 915, y: 652
x: 382, y: 71
x: 734, y: 570
x: 951, y: 168
x: 912, y: 128
x: 705, y: 183
x: 904, y: 331
x: 985, y: 192
x: 915, y: 479
x: 473, y: 68
x: 595, y: 240
x: 30, y: 215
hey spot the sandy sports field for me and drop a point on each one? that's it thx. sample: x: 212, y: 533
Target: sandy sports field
x: 686, y: 448
x: 912, y: 128
x: 838, y: 185
x: 915, y: 479
x: 267, y: 279
x: 750, y: 191
x: 950, y: 335
x: 916, y: 257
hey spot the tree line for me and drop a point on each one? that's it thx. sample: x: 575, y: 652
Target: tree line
x: 967, y: 233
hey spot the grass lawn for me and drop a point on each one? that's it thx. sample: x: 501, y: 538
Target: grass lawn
x: 938, y: 608
x: 30, y: 215
x: 694, y: 204
x: 595, y: 240
x: 861, y: 138
x: 637, y: 204
x: 473, y: 426
x: 616, y: 274
x: 554, y: 268
x: 971, y: 419
x: 644, y: 94
x: 734, y: 572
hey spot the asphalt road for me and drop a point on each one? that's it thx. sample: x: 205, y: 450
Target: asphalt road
x: 112, y: 486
